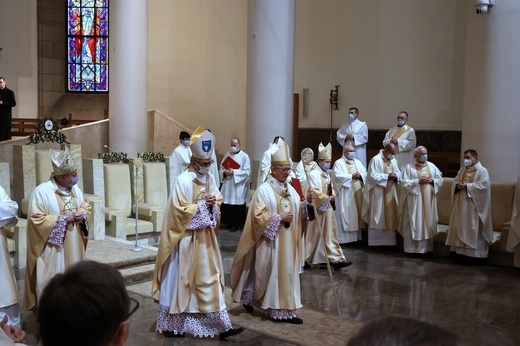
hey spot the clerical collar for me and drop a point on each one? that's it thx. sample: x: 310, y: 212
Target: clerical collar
x: 236, y: 152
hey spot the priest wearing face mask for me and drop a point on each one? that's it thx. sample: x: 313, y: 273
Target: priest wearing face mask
x: 380, y: 201
x: 321, y: 239
x: 403, y: 137
x: 470, y: 228
x: 348, y: 178
x: 57, y: 229
x: 180, y: 157
x: 188, y: 279
x: 418, y: 217
x: 354, y: 132
x: 235, y: 169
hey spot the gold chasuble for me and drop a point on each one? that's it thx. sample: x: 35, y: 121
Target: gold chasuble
x: 44, y: 260
x: 459, y: 204
x: 390, y: 197
x: 357, y: 187
x: 269, y: 269
x: 423, y: 171
x: 199, y: 279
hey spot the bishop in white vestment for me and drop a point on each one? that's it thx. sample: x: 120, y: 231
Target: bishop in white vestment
x: 266, y: 268
x: 57, y: 228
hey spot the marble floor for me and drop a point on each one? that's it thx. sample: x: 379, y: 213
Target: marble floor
x: 480, y: 303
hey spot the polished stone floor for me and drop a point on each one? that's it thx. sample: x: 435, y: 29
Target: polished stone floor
x: 480, y: 303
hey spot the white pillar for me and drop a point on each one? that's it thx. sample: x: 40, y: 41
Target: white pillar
x: 270, y: 70
x: 491, y: 116
x: 128, y: 87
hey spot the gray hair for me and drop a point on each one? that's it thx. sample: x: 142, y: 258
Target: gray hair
x: 419, y: 148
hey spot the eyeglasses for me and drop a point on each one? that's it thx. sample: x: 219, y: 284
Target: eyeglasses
x: 284, y: 170
x: 205, y: 164
x: 134, y: 309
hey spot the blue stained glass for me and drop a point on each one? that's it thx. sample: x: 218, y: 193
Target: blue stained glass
x: 87, y: 3
x: 101, y: 21
x: 74, y: 3
x: 87, y: 45
x: 74, y: 21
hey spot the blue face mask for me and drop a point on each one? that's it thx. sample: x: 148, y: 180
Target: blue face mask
x: 74, y: 181
x: 326, y: 167
x: 351, y: 116
x: 186, y: 142
x: 400, y: 123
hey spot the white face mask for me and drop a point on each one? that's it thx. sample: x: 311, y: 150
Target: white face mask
x: 350, y: 155
x: 202, y: 170
x: 186, y: 142
x: 400, y: 123
x: 234, y: 149
x: 390, y: 156
x: 351, y: 116
x: 423, y: 158
x: 467, y: 162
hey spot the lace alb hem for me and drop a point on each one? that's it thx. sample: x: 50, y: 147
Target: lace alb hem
x: 325, y: 205
x: 203, y: 218
x: 277, y: 314
x: 271, y: 231
x: 198, y: 324
x: 59, y: 231
x: 305, y: 214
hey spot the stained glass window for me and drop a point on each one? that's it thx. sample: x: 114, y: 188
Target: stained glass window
x: 87, y: 45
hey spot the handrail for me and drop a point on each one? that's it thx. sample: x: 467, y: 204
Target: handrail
x: 25, y: 126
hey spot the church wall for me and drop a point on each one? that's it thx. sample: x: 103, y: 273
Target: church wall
x: 197, y: 65
x: 491, y: 119
x: 19, y: 55
x: 387, y: 56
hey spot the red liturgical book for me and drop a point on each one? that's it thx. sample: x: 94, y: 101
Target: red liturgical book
x: 298, y: 187
x: 230, y: 163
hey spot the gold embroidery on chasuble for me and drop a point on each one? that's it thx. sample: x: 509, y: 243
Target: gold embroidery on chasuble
x: 390, y: 198
x: 423, y: 171
x: 204, y: 282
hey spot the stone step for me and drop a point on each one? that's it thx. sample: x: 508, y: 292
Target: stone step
x: 137, y: 274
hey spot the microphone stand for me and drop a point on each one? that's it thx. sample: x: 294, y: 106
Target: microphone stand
x: 136, y: 247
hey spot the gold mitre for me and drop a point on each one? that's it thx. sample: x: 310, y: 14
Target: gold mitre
x: 202, y: 143
x: 324, y: 153
x: 62, y: 162
x: 281, y: 157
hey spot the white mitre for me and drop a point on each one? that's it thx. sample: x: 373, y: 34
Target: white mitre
x: 281, y: 156
x: 62, y: 162
x: 202, y: 143
x: 324, y: 152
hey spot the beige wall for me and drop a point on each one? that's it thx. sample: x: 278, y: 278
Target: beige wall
x: 491, y: 118
x: 386, y: 56
x: 19, y: 57
x: 197, y: 64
